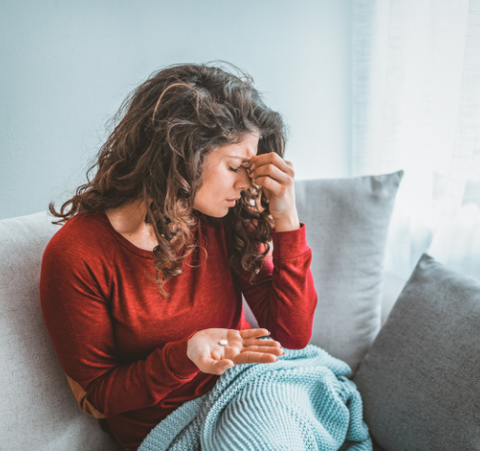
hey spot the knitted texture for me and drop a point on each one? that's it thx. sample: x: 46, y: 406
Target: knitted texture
x: 302, y: 402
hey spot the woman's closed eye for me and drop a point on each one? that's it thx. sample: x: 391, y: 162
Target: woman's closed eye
x: 235, y: 170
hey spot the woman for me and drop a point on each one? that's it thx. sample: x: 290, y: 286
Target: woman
x: 144, y: 281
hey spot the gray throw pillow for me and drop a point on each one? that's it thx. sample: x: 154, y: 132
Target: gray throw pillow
x: 346, y: 222
x: 420, y: 380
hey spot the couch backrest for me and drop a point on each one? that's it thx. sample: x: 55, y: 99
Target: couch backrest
x: 38, y: 410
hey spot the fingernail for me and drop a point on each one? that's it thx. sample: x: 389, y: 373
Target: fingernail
x: 226, y: 367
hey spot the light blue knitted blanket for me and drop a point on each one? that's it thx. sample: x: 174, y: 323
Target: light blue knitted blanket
x: 302, y: 402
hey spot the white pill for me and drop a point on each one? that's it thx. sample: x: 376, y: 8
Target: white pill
x: 223, y: 342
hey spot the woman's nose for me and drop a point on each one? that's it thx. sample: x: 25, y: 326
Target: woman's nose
x: 243, y: 180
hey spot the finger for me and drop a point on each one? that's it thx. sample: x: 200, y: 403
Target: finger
x: 272, y: 158
x: 259, y: 342
x: 274, y: 350
x: 255, y: 357
x: 272, y: 171
x: 278, y: 189
x: 251, y: 162
x: 252, y: 333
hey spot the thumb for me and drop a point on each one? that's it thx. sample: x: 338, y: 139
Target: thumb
x: 224, y: 364
x: 216, y: 366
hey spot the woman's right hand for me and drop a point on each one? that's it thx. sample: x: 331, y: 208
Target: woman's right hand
x: 244, y: 346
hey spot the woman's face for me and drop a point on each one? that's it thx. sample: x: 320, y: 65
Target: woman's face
x: 224, y: 177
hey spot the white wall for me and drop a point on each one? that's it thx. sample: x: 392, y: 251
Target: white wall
x: 67, y: 65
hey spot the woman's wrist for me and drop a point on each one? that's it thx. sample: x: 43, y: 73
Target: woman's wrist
x: 287, y: 224
x: 189, y: 345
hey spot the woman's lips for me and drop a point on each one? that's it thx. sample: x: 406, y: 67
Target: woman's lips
x: 232, y: 202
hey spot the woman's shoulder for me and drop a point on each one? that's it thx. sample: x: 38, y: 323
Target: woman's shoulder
x: 78, y: 255
x: 81, y: 234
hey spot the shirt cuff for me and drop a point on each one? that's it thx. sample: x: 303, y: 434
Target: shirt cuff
x: 290, y: 243
x: 176, y: 356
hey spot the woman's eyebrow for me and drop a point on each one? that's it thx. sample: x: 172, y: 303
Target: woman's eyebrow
x: 240, y: 158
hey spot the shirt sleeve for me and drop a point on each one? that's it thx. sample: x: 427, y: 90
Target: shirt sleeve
x: 76, y: 314
x: 283, y: 297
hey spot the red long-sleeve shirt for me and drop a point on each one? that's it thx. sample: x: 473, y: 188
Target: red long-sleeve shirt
x: 124, y: 344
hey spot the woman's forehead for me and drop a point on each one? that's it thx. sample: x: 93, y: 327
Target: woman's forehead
x: 244, y: 150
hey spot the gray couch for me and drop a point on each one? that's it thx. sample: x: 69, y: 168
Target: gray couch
x: 347, y: 224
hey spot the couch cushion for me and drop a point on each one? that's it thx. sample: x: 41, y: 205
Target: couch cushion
x: 376, y: 447
x: 347, y: 223
x: 38, y: 410
x: 420, y: 379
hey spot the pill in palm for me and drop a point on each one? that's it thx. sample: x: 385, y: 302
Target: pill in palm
x: 223, y: 342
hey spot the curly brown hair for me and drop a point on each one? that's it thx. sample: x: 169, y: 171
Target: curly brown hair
x: 164, y: 130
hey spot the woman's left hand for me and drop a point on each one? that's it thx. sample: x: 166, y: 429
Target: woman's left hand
x: 276, y: 175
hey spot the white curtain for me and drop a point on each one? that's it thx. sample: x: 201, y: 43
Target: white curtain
x: 416, y: 107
